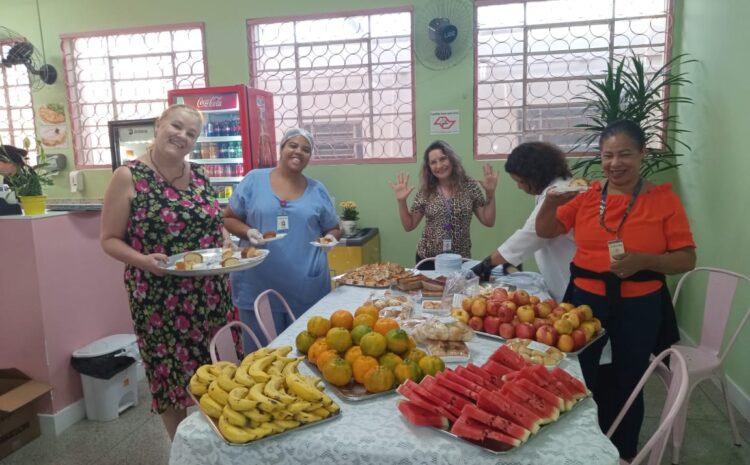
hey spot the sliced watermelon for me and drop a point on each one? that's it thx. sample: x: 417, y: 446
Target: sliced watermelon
x: 571, y: 382
x: 421, y: 417
x: 542, y: 378
x: 547, y: 412
x: 497, y: 369
x: 480, y: 434
x: 449, y: 399
x: 548, y: 397
x: 426, y: 400
x: 511, y: 376
x: 448, y: 383
x: 497, y: 422
x: 474, y: 378
x: 508, y: 358
x: 462, y: 380
x: 495, y: 403
x: 489, y: 377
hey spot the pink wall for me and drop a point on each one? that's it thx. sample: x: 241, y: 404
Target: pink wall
x: 71, y: 293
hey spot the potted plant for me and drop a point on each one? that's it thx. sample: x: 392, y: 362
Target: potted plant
x: 27, y: 181
x: 349, y: 217
x: 628, y: 91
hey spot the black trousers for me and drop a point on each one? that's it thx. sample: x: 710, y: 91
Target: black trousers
x: 633, y: 330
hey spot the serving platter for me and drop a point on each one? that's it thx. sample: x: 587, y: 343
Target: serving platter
x: 596, y: 337
x: 211, y: 265
x: 353, y: 391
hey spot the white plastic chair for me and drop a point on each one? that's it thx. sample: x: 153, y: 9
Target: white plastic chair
x: 676, y: 395
x: 707, y: 360
x: 432, y: 259
x: 223, y: 347
x: 264, y: 314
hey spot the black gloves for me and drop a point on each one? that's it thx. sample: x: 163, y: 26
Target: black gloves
x: 483, y: 269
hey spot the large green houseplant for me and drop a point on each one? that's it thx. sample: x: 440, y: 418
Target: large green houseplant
x: 27, y: 181
x: 628, y: 91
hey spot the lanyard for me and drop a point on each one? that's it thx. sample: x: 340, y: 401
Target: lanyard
x: 603, y: 207
x: 448, y: 225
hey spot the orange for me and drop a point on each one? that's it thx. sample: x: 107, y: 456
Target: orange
x: 361, y: 366
x: 358, y: 332
x: 412, y: 343
x: 384, y: 325
x: 373, y: 344
x: 364, y: 319
x: 408, y: 369
x: 324, y: 357
x: 303, y: 341
x: 342, y: 319
x: 318, y: 325
x: 396, y: 339
x: 353, y: 354
x: 431, y: 365
x: 339, y: 339
x: 389, y: 360
x: 337, y: 371
x: 317, y: 348
x: 415, y: 354
x: 379, y: 379
x: 368, y: 309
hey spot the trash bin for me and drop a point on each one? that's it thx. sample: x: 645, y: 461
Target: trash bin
x: 109, y: 376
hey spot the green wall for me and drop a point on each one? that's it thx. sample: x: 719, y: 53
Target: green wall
x: 227, y: 64
x: 713, y: 181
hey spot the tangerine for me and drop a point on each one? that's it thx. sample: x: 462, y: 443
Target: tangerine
x: 317, y: 348
x: 408, y: 369
x: 431, y: 365
x: 368, y: 309
x: 324, y: 357
x: 412, y: 343
x: 318, y: 325
x: 396, y: 339
x: 339, y: 339
x: 337, y: 371
x: 342, y: 319
x: 362, y: 366
x: 390, y: 360
x: 373, y: 344
x: 379, y: 379
x: 358, y: 332
x: 353, y: 354
x: 415, y: 355
x: 303, y: 341
x: 364, y: 319
x: 384, y: 325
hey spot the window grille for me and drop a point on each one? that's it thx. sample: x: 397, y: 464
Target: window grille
x: 124, y: 75
x: 16, y: 108
x: 534, y: 57
x: 348, y: 78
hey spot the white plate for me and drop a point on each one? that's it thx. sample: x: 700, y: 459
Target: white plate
x: 330, y: 245
x: 212, y: 263
x: 564, y: 186
x: 278, y: 236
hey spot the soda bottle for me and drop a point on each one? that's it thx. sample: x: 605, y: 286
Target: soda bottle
x: 228, y: 191
x: 236, y: 130
x: 204, y: 151
x: 209, y: 128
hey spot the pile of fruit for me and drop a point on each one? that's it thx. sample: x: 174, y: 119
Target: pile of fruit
x: 498, y: 405
x: 364, y: 348
x: 517, y: 314
x: 265, y: 395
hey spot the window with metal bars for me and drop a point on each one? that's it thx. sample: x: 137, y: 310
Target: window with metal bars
x: 16, y: 108
x: 125, y: 75
x: 533, y: 58
x: 348, y: 78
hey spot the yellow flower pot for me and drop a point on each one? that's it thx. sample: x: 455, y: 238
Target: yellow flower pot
x: 33, y: 204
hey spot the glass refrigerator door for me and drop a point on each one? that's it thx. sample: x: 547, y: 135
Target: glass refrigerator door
x: 219, y: 148
x: 130, y: 139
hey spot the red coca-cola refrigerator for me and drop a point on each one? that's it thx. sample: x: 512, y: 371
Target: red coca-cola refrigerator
x: 238, y: 132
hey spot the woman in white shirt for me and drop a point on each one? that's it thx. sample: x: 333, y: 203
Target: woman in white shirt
x: 536, y: 167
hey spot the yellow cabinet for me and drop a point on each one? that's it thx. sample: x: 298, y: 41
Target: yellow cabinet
x: 354, y: 251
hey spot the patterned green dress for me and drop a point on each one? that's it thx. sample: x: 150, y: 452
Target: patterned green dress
x: 174, y: 317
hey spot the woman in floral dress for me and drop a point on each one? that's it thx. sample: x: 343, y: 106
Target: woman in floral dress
x: 157, y: 206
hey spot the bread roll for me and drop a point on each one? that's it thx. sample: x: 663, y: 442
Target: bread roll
x: 269, y: 234
x: 193, y: 258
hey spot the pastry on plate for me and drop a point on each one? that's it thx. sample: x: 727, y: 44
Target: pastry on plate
x: 231, y: 261
x: 226, y: 253
x: 182, y: 265
x: 193, y: 258
x: 324, y: 241
x: 249, y: 252
x: 269, y: 234
x: 578, y: 182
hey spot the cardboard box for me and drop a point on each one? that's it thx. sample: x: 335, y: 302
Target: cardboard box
x: 18, y: 420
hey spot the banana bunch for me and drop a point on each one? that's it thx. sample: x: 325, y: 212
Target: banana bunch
x: 264, y: 395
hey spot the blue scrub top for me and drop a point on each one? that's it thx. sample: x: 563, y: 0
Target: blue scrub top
x: 294, y: 267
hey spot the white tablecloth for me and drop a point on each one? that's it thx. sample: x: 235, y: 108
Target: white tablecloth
x: 374, y: 432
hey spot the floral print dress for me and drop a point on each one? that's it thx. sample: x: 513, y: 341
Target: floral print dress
x: 174, y: 317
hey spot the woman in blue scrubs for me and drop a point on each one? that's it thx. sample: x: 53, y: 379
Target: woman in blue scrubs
x: 284, y: 201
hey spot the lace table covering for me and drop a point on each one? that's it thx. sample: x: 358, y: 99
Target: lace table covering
x: 374, y: 432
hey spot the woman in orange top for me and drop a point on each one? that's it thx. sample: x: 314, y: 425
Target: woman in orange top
x: 629, y: 233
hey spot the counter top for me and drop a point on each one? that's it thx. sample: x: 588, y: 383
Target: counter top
x: 74, y: 204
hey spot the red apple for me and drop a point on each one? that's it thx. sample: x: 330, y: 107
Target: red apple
x: 533, y: 300
x: 543, y: 310
x: 550, y: 302
x: 572, y: 316
x: 493, y: 306
x: 515, y: 321
x: 479, y: 307
x: 567, y: 306
x: 526, y: 313
x: 521, y: 297
x: 558, y: 311
x: 565, y: 343
x: 579, y: 338
x: 507, y: 311
x: 539, y: 322
x: 506, y: 330
x: 476, y: 323
x: 525, y: 330
x: 547, y: 334
x: 500, y: 294
x: 587, y: 312
x: 491, y: 324
x: 563, y: 326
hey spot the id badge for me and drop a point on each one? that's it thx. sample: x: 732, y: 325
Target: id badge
x: 447, y: 245
x: 616, y: 247
x: 282, y: 223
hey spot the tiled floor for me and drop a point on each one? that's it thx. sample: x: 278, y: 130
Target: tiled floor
x: 138, y: 436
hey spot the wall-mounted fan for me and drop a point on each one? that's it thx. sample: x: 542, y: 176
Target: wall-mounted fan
x: 443, y: 31
x: 17, y: 51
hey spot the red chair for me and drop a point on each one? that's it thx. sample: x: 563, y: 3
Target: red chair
x: 264, y: 314
x: 224, y: 347
x: 707, y: 360
x: 676, y: 395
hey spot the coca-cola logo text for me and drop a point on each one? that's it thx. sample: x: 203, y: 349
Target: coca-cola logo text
x: 209, y: 102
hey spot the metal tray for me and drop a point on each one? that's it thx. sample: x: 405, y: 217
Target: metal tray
x: 598, y: 336
x: 211, y: 265
x: 215, y: 427
x: 353, y: 391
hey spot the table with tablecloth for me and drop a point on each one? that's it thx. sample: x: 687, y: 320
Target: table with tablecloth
x: 374, y: 432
